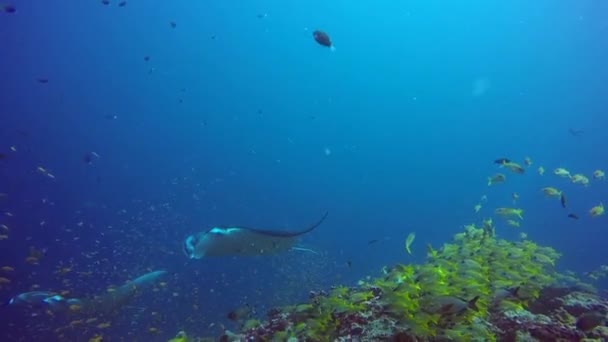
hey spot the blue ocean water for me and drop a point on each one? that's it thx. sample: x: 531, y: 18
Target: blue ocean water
x: 238, y: 117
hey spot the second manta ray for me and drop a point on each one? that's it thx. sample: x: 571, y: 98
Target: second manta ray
x: 222, y: 241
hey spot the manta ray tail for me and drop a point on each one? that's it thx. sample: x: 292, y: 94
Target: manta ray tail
x: 311, y: 228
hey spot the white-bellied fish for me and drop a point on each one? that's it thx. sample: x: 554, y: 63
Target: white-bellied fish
x: 242, y: 241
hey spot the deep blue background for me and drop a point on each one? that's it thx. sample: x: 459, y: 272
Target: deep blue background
x: 237, y: 119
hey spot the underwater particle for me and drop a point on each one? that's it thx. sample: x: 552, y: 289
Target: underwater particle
x: 590, y: 320
x: 408, y: 242
x: 45, y: 172
x: 122, y: 4
x: 598, y: 210
x: 105, y: 2
x: 349, y: 264
x: 42, y: 80
x: 8, y: 8
x: 172, y: 24
x: 573, y: 216
x: 322, y: 38
x: 327, y: 151
x: 111, y: 116
x: 146, y: 58
x: 527, y: 161
x: 372, y: 241
x: 562, y: 200
x: 496, y: 179
x: 262, y: 15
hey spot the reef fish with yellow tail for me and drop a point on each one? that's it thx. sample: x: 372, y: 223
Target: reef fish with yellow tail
x: 510, y: 212
x: 243, y: 241
x: 514, y: 167
x: 540, y: 170
x: 598, y: 210
x: 561, y: 172
x: 408, y: 242
x: 551, y: 192
x: 580, y: 179
x: 497, y: 178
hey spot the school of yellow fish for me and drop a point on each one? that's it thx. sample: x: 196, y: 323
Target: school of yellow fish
x: 513, y: 216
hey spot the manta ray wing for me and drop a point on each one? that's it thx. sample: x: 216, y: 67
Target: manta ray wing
x: 284, y: 234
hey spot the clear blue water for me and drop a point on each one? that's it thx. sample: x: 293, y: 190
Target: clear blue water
x: 239, y: 117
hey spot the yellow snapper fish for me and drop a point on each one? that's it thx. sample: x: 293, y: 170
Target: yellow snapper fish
x: 551, y: 192
x: 477, y: 207
x: 497, y: 178
x: 598, y: 210
x: 408, y: 242
x: 514, y: 167
x: 509, y: 212
x: 560, y: 171
x: 540, y: 170
x: 513, y: 223
x: 599, y: 174
x: 579, y: 179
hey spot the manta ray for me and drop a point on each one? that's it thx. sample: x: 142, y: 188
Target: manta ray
x: 102, y: 305
x: 243, y: 241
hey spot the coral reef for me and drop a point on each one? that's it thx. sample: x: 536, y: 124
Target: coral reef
x: 477, y: 288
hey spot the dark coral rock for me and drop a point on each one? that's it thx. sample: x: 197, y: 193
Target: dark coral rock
x: 403, y: 337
